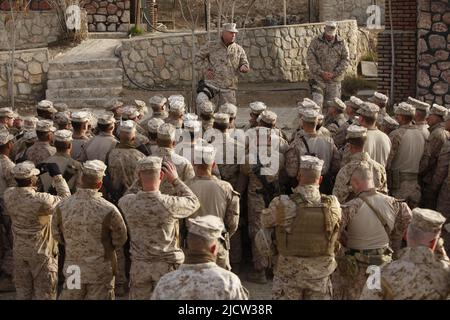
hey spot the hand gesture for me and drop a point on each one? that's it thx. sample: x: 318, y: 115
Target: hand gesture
x: 170, y: 171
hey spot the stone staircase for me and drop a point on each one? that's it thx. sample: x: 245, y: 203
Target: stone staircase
x: 89, y: 75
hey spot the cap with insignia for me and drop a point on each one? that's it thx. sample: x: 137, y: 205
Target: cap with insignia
x: 369, y: 109
x: 153, y: 124
x: 206, y: 108
x: 128, y: 126
x: 149, y: 163
x: 190, y: 116
x: 377, y: 96
x: 94, y: 168
x: 45, y: 126
x: 115, y: 104
x: 80, y: 116
x: 389, y: 122
x: 338, y: 103
x: 427, y: 220
x: 25, y: 170
x: 204, y: 154
x: 257, y: 107
x: 166, y: 131
x: 419, y: 105
x: 405, y: 109
x: 61, y: 106
x: 46, y: 105
x: 309, y: 115
x: 311, y: 163
x: 268, y: 117
x: 221, y: 118
x: 209, y: 227
x: 29, y: 135
x: 106, y: 118
x: 192, y: 125
x: 157, y: 101
x: 63, y: 135
x: 177, y: 106
x: 129, y: 113
x: 7, y: 112
x: 5, y: 137
x: 355, y: 131
x: 140, y: 104
x: 175, y: 97
x: 62, y: 117
x: 438, y: 110
x: 230, y: 27
x: 355, y: 102
x: 331, y: 24
x: 228, y: 108
x: 309, y: 104
x: 29, y: 123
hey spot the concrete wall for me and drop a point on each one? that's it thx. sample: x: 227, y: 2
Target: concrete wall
x: 349, y: 9
x: 275, y: 54
x: 30, y: 74
x: 33, y: 30
x: 433, y: 51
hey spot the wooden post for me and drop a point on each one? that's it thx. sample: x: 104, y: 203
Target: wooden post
x: 284, y: 13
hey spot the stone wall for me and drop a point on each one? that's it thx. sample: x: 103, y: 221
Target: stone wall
x: 30, y: 74
x: 433, y: 51
x: 275, y: 54
x: 348, y: 9
x: 108, y: 15
x: 404, y: 24
x: 33, y: 30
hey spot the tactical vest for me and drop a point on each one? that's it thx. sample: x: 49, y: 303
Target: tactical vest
x: 314, y: 231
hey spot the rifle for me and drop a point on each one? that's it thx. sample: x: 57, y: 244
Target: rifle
x: 269, y: 190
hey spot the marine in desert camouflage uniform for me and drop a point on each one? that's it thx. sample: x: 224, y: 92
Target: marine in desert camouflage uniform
x: 152, y: 219
x: 91, y: 229
x: 336, y: 116
x: 356, y: 137
x: 79, y: 122
x: 42, y: 149
x: 420, y: 117
x: 305, y: 258
x: 372, y: 228
x: 417, y: 274
x: 438, y: 136
x: 381, y: 101
x: 35, y: 251
x: 221, y: 62
x: 199, y: 277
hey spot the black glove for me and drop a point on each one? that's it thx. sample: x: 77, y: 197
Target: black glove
x: 53, y: 169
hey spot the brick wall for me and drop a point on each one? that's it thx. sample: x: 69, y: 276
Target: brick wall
x: 404, y: 23
x: 433, y: 52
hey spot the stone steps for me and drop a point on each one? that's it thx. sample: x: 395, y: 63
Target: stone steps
x: 96, y: 92
x: 78, y: 103
x: 54, y: 74
x: 68, y: 65
x: 108, y: 35
x: 83, y: 82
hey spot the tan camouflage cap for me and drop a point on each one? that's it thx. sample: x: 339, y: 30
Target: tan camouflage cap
x: 45, y: 126
x: 204, y: 154
x: 80, y: 116
x: 369, y: 109
x: 355, y: 131
x: 339, y: 104
x: 268, y: 117
x: 157, y: 101
x: 153, y: 124
x: 309, y: 104
x: 190, y: 116
x: 46, y: 105
x: 29, y: 123
x: 193, y: 125
x: 128, y: 126
x: 419, y: 105
x: 177, y: 107
x: 222, y: 118
x: 114, y: 105
x: 389, y: 122
x: 30, y: 135
x: 166, y: 132
x: 25, y: 170
x: 206, y: 108
x: 5, y: 137
x: 230, y: 27
x: 447, y: 117
x: 175, y: 97
x: 377, y: 96
x: 7, y: 112
x: 149, y: 163
x: 63, y: 135
x: 106, y: 118
x: 309, y: 115
x: 228, y: 108
x: 140, y: 105
x: 257, y: 107
x: 209, y: 227
x: 331, y: 24
x: 311, y: 163
x: 62, y: 117
x: 427, y: 220
x: 61, y: 107
x: 405, y: 109
x: 129, y: 113
x: 355, y: 102
x: 438, y: 110
x: 94, y: 168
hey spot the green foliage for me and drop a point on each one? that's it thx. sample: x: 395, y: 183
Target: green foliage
x: 352, y: 84
x: 136, y: 31
x: 370, y: 56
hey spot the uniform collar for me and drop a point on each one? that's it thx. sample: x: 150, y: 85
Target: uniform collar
x: 88, y: 193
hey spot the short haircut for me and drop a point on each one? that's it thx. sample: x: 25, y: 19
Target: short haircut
x: 89, y: 181
x: 164, y: 143
x: 4, y: 147
x: 149, y: 174
x: 363, y: 172
x: 309, y: 176
x: 309, y: 125
x: 421, y: 113
x: 43, y: 136
x: 222, y: 127
x: 198, y: 242
x: 420, y: 237
x: 206, y: 117
x: 153, y: 135
x: 406, y: 118
x: 357, y: 142
x: 21, y: 183
x: 62, y: 146
x: 79, y: 125
x: 370, y: 121
x: 105, y: 127
x: 266, y: 125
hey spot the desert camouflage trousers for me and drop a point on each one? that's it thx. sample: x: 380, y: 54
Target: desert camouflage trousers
x: 330, y: 90
x: 220, y: 97
x: 408, y: 190
x: 255, y: 206
x: 89, y: 291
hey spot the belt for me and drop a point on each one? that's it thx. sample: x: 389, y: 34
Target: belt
x: 369, y: 252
